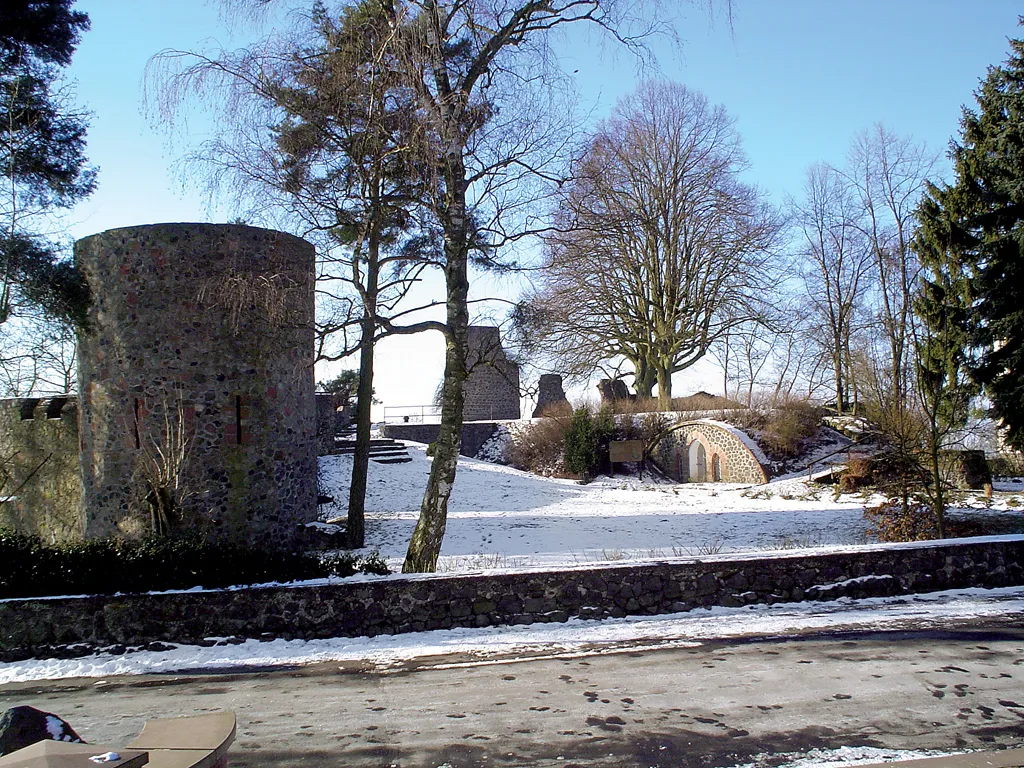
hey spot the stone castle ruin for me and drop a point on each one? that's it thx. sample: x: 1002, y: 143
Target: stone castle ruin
x: 195, y: 378
x: 492, y: 388
x: 551, y: 399
x: 196, y: 408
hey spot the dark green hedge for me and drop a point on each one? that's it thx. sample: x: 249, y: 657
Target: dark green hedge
x: 28, y: 568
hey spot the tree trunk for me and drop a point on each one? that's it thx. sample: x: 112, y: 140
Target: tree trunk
x: 643, y: 380
x: 356, y: 525
x: 425, y: 545
x: 938, y: 498
x: 161, y: 509
x: 837, y: 362
x: 665, y: 388
x: 851, y: 377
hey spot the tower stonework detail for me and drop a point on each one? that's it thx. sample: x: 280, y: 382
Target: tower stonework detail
x: 197, y: 368
x: 492, y: 389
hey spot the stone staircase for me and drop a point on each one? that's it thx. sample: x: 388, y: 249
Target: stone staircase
x: 383, y: 450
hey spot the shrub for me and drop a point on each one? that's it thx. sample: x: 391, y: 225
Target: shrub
x: 890, y: 522
x: 586, y: 442
x: 581, y: 444
x: 703, y: 401
x: 788, y: 426
x: 560, y: 408
x: 858, y: 473
x: 539, y: 446
x: 30, y: 569
x: 634, y: 406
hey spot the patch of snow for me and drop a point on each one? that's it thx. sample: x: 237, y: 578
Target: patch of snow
x: 827, y: 444
x: 839, y: 758
x: 848, y: 425
x: 848, y: 582
x: 500, y: 515
x: 325, y: 527
x: 55, y: 728
x: 1009, y: 484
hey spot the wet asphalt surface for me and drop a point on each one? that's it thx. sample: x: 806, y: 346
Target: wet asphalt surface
x: 718, y: 704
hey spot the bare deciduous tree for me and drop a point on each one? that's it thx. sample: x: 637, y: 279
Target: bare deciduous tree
x: 38, y: 355
x: 321, y: 127
x: 888, y: 174
x: 838, y: 261
x: 663, y: 250
x: 483, y: 73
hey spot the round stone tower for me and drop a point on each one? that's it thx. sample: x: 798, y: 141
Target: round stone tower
x: 196, y: 378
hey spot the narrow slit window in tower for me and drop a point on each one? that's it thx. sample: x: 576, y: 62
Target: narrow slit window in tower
x: 137, y: 414
x: 238, y: 419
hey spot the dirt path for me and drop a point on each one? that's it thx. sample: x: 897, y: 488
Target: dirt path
x: 714, y: 705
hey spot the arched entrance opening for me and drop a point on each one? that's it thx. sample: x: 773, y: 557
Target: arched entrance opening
x: 716, y: 468
x: 698, y: 462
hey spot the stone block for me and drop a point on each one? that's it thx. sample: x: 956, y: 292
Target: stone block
x: 23, y: 726
x: 707, y: 584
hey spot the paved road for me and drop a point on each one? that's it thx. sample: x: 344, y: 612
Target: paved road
x: 714, y: 705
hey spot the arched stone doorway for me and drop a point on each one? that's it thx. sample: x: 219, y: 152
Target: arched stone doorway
x: 698, y: 462
x: 679, y: 449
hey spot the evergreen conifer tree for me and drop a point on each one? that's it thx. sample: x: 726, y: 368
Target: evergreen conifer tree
x: 971, y: 243
x: 42, y: 155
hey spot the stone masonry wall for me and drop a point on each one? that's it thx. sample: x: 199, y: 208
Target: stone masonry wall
x: 474, y: 435
x: 39, y: 468
x: 492, y: 389
x: 415, y: 603
x: 328, y: 420
x: 206, y: 329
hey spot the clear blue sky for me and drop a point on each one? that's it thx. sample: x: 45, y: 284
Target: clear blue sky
x: 800, y: 77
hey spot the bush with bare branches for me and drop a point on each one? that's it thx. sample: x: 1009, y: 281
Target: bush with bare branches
x: 538, y: 446
x: 783, y: 429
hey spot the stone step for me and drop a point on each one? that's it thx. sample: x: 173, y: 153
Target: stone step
x: 374, y: 452
x: 391, y: 459
x: 382, y: 450
x: 347, y: 446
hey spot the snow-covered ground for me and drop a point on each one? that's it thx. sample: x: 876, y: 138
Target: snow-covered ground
x: 500, y: 517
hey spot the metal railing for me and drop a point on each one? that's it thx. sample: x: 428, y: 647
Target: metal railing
x: 412, y: 414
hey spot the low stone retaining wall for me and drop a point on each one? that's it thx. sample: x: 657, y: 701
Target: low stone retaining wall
x: 395, y: 604
x: 474, y: 434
